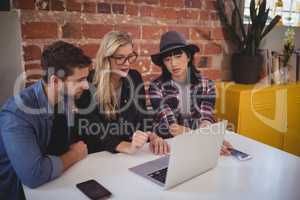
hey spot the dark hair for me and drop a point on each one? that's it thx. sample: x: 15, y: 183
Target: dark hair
x: 166, y: 75
x: 62, y: 57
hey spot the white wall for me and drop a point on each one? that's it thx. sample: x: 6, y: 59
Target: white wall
x: 274, y: 41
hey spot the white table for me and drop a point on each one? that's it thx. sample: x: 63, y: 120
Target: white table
x: 271, y: 174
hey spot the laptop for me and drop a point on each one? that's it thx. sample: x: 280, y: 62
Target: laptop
x: 192, y: 154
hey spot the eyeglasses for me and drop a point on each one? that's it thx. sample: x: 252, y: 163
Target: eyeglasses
x: 121, y: 60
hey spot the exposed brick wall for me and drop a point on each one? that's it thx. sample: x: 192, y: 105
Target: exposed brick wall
x: 84, y: 22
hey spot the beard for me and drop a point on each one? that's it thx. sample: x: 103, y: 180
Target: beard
x: 78, y: 94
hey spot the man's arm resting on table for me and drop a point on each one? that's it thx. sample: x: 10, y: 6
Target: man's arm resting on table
x: 21, y: 145
x: 77, y: 152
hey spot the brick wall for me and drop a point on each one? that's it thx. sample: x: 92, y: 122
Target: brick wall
x: 84, y: 22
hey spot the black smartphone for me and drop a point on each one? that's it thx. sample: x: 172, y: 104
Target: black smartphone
x: 93, y: 189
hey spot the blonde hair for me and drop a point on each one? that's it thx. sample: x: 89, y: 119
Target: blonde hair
x: 105, y: 93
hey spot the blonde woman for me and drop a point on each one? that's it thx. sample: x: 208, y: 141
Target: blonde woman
x: 120, y: 97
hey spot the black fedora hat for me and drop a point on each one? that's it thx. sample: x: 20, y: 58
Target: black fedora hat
x: 169, y: 41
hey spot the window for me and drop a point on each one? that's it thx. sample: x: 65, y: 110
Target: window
x: 288, y: 9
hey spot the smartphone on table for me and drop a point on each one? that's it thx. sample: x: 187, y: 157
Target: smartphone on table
x: 239, y: 154
x: 93, y: 189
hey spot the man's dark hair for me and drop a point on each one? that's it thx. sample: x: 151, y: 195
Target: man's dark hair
x: 60, y: 58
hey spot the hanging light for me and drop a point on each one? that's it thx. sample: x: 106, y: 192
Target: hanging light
x: 279, y: 4
x: 278, y: 11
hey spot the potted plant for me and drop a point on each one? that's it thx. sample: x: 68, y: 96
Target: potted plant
x: 288, y: 50
x: 247, y: 61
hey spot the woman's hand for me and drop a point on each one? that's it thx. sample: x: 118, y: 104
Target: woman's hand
x: 157, y: 145
x: 139, y: 139
x: 225, y: 148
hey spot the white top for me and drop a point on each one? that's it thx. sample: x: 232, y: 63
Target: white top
x: 184, y: 98
x: 270, y: 174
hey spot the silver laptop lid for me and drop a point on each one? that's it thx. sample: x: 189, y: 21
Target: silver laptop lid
x: 194, y: 153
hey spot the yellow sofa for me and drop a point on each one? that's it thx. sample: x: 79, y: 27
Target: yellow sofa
x: 269, y: 114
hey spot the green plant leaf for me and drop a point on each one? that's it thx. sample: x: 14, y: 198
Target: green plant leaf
x: 233, y: 18
x: 274, y: 21
x: 257, y: 38
x: 233, y: 34
x: 248, y: 39
x: 265, y: 18
x: 252, y: 10
x: 240, y: 20
x: 262, y: 8
x: 261, y: 23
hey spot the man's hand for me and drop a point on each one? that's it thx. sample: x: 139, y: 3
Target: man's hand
x: 176, y: 129
x: 225, y: 148
x: 157, y: 145
x: 79, y: 149
x: 77, y: 152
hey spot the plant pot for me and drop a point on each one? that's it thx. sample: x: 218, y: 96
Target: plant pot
x: 246, y: 69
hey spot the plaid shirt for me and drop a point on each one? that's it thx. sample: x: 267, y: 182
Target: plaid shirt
x: 165, y: 97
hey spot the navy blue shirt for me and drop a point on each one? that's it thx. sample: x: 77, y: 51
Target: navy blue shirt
x: 25, y: 132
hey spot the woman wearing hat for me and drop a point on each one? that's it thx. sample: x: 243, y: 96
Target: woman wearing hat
x: 181, y: 98
x: 117, y: 122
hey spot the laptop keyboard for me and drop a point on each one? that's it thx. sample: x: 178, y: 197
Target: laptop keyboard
x: 159, y: 175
